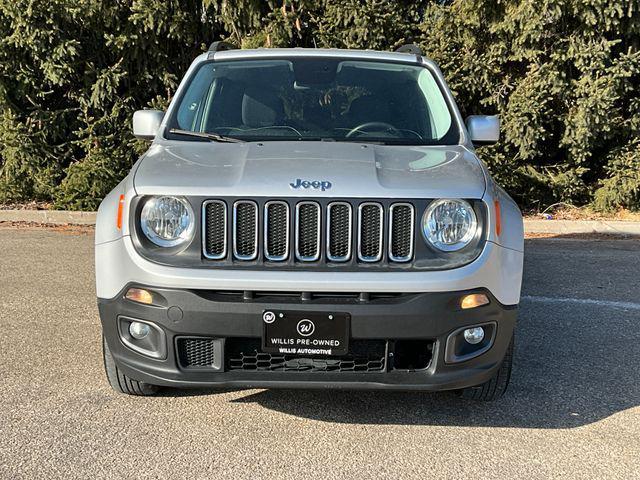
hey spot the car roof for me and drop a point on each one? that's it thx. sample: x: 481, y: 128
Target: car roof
x: 316, y: 52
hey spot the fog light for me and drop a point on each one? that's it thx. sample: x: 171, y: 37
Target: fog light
x: 474, y: 335
x: 139, y: 330
x: 474, y: 300
x: 139, y: 295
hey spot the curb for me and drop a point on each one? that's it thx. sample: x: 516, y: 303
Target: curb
x: 572, y: 227
x: 50, y: 217
x: 551, y: 227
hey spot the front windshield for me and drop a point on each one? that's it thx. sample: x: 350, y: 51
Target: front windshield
x: 316, y: 99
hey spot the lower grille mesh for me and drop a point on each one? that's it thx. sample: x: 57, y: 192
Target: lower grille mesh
x: 196, y: 352
x: 364, y: 356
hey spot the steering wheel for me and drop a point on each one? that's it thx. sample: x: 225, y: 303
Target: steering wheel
x: 360, y: 128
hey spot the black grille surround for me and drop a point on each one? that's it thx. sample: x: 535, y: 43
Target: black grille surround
x: 317, y: 232
x: 196, y: 253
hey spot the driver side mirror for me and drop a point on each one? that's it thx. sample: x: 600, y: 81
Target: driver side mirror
x: 146, y: 123
x: 483, y: 129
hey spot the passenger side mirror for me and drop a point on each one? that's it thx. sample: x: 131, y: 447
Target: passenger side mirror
x: 146, y: 123
x: 483, y: 129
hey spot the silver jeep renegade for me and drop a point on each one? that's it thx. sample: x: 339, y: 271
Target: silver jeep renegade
x: 310, y: 218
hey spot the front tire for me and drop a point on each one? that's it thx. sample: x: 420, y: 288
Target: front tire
x: 120, y: 382
x: 496, y: 386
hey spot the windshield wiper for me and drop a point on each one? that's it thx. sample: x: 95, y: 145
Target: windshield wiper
x: 209, y: 136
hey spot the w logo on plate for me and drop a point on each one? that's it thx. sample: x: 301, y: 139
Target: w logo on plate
x: 305, y: 327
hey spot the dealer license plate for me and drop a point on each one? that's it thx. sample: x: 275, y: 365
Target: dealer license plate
x: 305, y: 333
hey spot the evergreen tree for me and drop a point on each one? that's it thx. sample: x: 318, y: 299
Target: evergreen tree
x: 562, y: 74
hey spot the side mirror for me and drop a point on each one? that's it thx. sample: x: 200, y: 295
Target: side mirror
x: 483, y: 129
x: 146, y: 123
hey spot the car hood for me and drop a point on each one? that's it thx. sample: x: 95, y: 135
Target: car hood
x: 331, y: 169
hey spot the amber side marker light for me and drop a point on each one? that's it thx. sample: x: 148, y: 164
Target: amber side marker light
x: 139, y: 295
x: 120, y: 208
x: 474, y: 300
x: 496, y: 206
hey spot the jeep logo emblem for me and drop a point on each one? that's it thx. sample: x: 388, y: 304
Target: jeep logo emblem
x: 305, y: 327
x: 317, y: 184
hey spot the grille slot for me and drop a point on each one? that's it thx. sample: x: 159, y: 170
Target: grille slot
x: 339, y: 232
x: 401, y: 226
x: 196, y: 352
x: 245, y: 230
x: 370, y: 235
x: 307, y: 231
x: 363, y: 356
x: 214, y: 224
x: 276, y: 231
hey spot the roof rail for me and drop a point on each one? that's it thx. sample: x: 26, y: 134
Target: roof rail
x: 221, y: 46
x: 410, y: 48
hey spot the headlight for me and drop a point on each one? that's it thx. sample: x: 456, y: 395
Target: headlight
x: 449, y: 224
x: 167, y: 221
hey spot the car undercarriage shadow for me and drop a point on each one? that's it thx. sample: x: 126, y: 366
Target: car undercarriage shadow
x: 572, y: 368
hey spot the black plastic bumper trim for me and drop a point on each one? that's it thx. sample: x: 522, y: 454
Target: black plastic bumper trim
x: 429, y: 316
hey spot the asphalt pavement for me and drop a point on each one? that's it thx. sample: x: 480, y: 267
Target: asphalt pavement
x: 572, y: 411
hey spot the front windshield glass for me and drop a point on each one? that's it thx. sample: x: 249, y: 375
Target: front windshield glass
x: 317, y: 99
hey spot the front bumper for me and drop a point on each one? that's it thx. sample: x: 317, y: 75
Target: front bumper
x: 227, y: 316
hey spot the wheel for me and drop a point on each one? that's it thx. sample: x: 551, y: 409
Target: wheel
x: 495, y: 387
x: 119, y: 381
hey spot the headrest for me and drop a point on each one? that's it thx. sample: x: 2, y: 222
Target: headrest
x: 370, y: 108
x: 261, y: 108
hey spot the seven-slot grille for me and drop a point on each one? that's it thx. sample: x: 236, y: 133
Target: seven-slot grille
x: 294, y: 231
